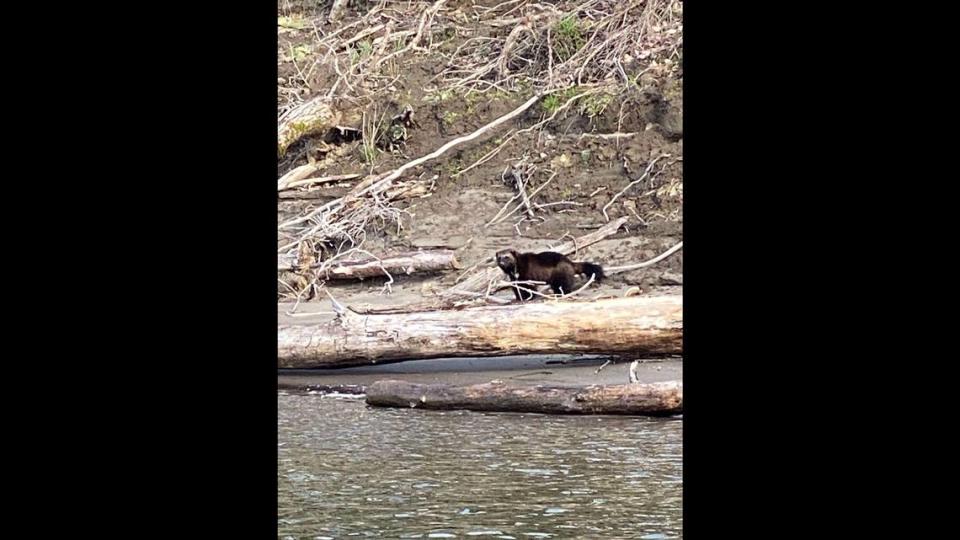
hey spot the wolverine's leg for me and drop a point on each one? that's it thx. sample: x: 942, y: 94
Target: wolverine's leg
x: 562, y: 284
x: 525, y: 294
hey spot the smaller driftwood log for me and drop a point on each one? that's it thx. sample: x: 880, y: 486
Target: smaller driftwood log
x: 653, y: 399
x: 397, y: 265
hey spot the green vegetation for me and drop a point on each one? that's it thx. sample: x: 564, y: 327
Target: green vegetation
x: 295, y: 22
x: 373, y: 131
x: 450, y: 117
x: 551, y: 103
x: 568, y: 38
x: 439, y: 96
x: 369, y: 152
x: 554, y: 101
x: 363, y: 49
x: 594, y: 105
x: 453, y: 167
x: 300, y: 52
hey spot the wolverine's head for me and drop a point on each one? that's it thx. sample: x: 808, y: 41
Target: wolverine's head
x: 507, y: 260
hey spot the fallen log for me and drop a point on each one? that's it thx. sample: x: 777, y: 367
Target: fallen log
x: 300, y: 176
x: 632, y: 326
x: 401, y: 264
x: 312, y: 116
x: 325, y: 194
x: 654, y: 399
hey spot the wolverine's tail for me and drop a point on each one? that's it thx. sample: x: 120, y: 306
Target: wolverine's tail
x: 587, y: 269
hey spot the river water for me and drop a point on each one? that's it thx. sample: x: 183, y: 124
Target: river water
x: 346, y: 470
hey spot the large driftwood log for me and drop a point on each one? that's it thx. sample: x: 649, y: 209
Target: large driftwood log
x: 654, y: 399
x: 632, y: 326
x: 401, y: 264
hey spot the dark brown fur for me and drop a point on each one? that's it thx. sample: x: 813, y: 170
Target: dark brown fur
x: 550, y: 267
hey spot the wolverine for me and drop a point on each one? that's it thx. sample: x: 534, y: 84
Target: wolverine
x: 550, y: 267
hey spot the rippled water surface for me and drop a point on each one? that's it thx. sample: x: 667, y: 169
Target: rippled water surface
x: 346, y: 470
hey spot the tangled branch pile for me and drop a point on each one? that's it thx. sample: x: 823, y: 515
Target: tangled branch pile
x: 547, y: 47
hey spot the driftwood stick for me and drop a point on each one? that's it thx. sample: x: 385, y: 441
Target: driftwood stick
x: 518, y: 180
x: 655, y: 260
x: 631, y: 184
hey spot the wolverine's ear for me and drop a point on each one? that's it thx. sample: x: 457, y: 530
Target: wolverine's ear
x: 515, y: 254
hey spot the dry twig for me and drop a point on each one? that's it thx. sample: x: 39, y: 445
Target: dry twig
x: 631, y: 184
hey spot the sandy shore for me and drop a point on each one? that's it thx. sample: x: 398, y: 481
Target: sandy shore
x: 559, y: 370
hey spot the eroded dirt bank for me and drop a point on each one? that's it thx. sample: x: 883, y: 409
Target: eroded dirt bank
x: 604, y: 139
